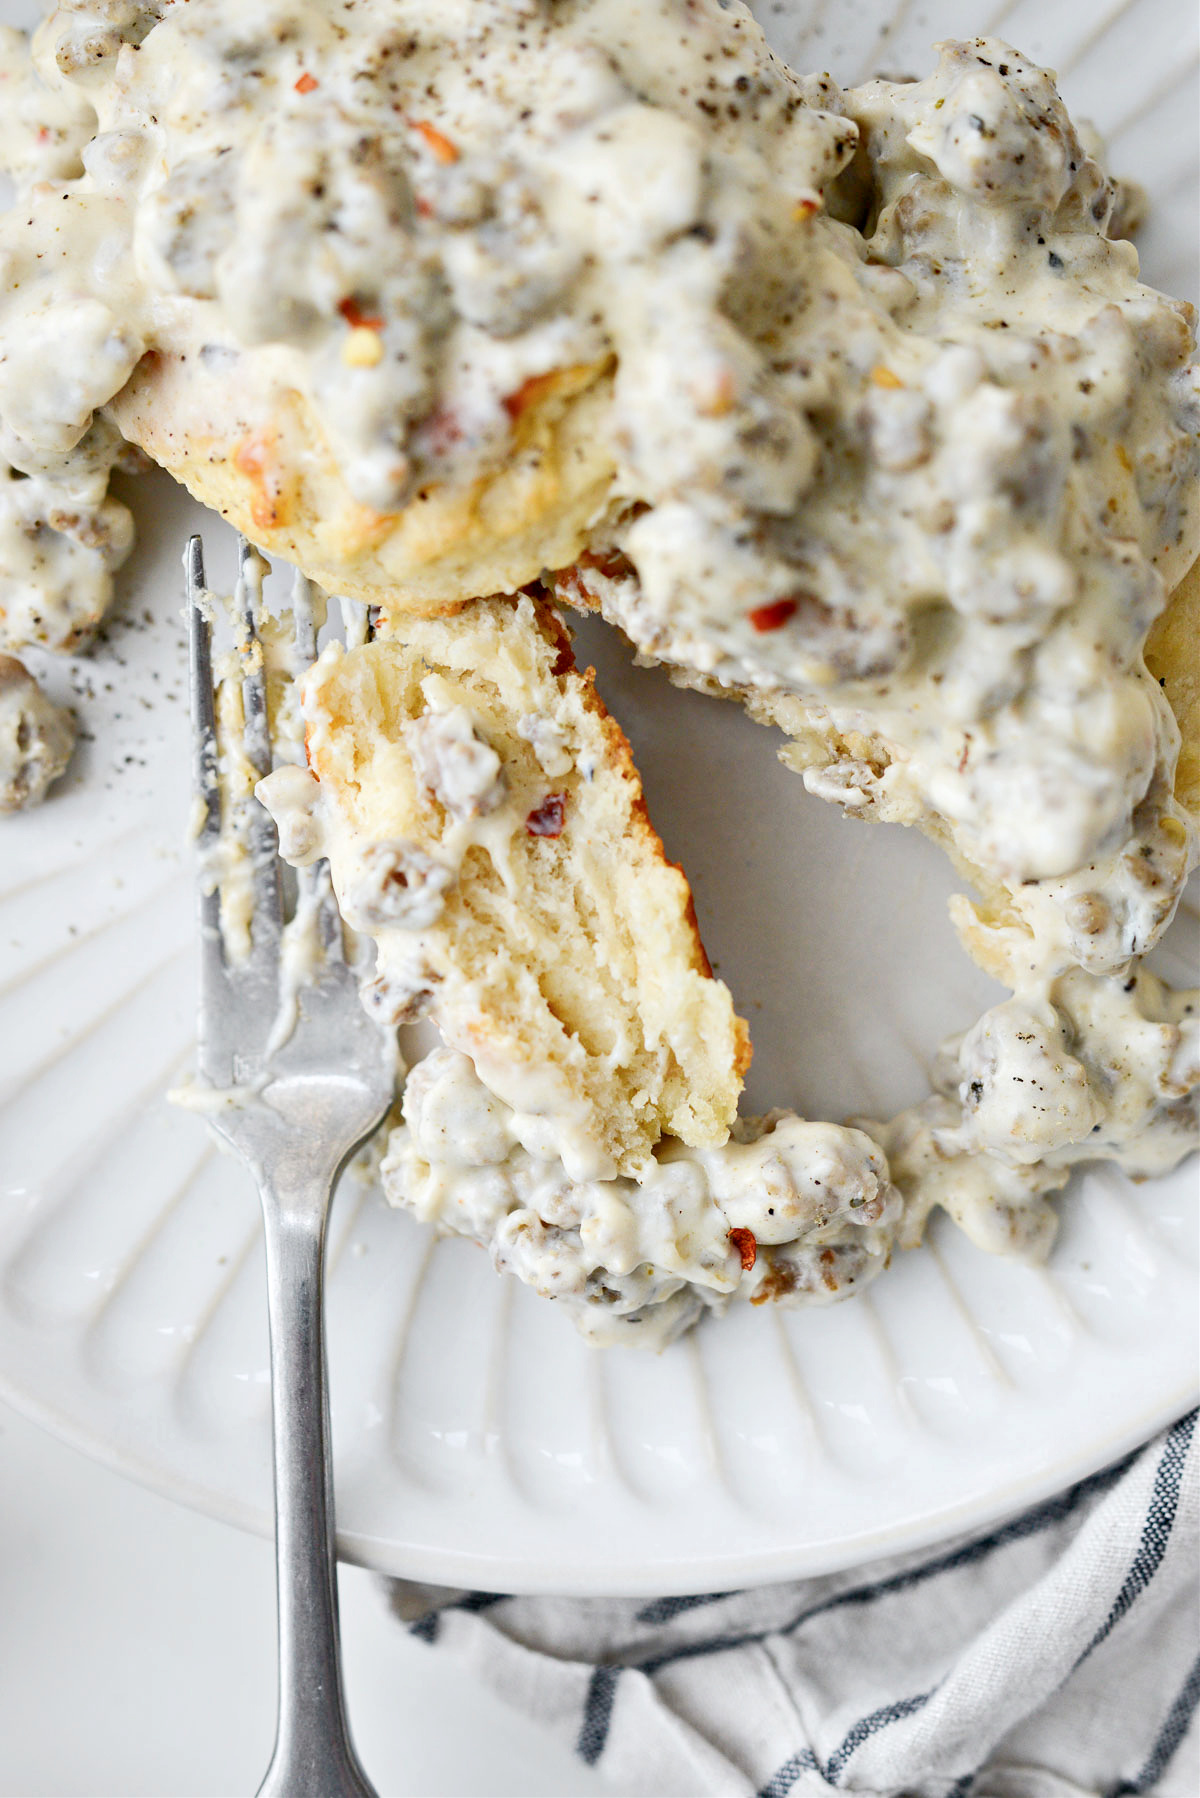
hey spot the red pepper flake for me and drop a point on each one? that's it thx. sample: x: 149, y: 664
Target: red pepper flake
x: 43, y: 137
x: 437, y: 140
x: 528, y: 394
x: 770, y: 618
x: 256, y: 458
x: 747, y: 1247
x: 613, y: 564
x: 548, y: 818
x: 356, y: 318
x: 307, y: 83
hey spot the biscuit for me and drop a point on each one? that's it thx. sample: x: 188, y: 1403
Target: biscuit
x: 270, y: 472
x: 486, y: 825
x: 1173, y: 658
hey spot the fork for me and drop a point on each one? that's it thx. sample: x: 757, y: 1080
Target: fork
x: 293, y: 1103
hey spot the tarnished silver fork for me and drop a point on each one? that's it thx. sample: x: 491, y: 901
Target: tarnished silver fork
x: 293, y: 1110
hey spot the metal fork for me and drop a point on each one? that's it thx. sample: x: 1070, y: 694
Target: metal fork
x: 293, y: 1111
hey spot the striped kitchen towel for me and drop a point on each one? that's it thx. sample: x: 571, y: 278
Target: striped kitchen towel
x: 1053, y: 1657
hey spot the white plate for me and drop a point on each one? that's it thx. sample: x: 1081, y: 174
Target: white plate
x: 478, y: 1441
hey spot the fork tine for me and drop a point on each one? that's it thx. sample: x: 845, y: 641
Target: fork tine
x: 204, y: 723
x: 329, y: 917
x: 256, y: 741
x: 304, y: 622
x: 262, y: 840
x: 208, y: 801
x: 315, y: 885
x: 356, y: 619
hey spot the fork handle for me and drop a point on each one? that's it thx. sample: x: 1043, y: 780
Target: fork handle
x: 313, y: 1756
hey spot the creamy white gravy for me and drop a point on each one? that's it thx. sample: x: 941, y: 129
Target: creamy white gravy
x: 36, y: 738
x: 905, y: 450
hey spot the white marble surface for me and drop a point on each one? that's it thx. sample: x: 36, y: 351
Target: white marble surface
x: 137, y: 1656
